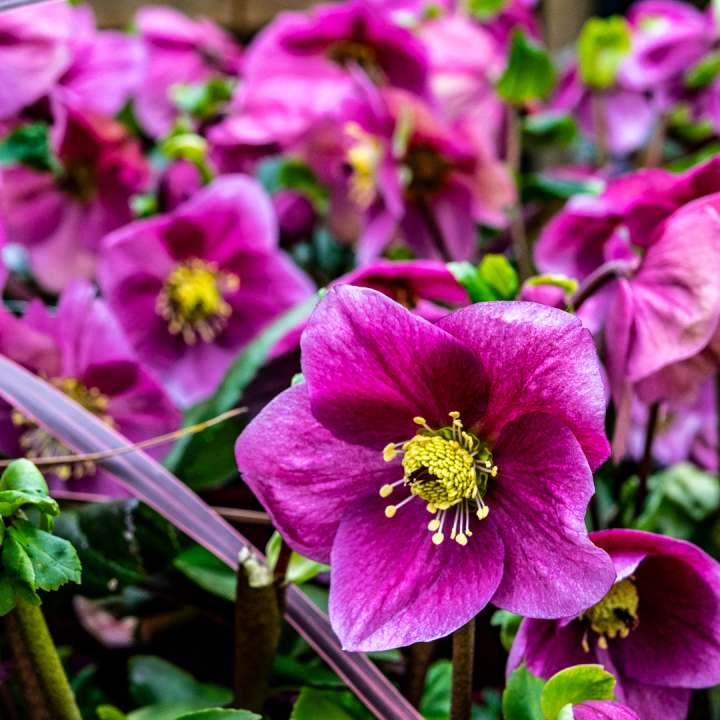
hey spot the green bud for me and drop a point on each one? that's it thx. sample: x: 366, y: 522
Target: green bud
x: 603, y: 44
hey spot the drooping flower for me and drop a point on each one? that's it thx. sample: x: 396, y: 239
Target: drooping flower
x: 665, y: 311
x: 453, y: 458
x: 34, y: 52
x: 421, y: 178
x: 192, y: 287
x: 178, y: 51
x: 657, y: 630
x: 300, y: 69
x: 81, y: 350
x: 60, y: 216
x: 104, y: 66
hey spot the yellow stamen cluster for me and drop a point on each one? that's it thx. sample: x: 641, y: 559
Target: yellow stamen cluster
x: 363, y: 159
x: 615, y: 615
x: 447, y: 468
x: 37, y: 443
x: 192, y: 300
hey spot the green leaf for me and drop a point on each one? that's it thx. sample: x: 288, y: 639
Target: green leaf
x: 547, y: 186
x: 54, y: 560
x: 435, y: 703
x: 284, y: 173
x: 300, y: 569
x: 220, y: 714
x: 549, y: 128
x: 211, y: 574
x: 109, y: 712
x: 202, y: 100
x: 313, y: 704
x: 509, y: 624
x: 28, y: 145
x: 16, y: 561
x: 12, y: 500
x: 156, y: 681
x: 704, y: 72
x: 485, y: 9
x: 521, y: 699
x: 602, y: 46
x: 529, y: 75
x: 202, y: 461
x: 575, y: 685
x: 22, y: 475
x: 499, y: 275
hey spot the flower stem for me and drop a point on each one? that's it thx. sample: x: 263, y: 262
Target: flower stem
x: 35, y: 654
x: 654, y: 150
x: 462, y: 671
x: 611, y: 270
x: 518, y: 235
x: 646, y: 462
x: 419, y: 656
x: 600, y: 127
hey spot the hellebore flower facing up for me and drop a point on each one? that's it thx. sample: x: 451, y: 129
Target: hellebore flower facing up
x: 192, y: 287
x: 657, y: 630
x: 81, y: 351
x: 60, y: 216
x: 437, y: 467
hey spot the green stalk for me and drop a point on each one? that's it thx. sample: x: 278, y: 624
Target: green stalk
x: 41, y: 651
x: 463, y: 655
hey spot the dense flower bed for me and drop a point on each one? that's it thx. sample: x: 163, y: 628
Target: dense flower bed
x: 465, y: 298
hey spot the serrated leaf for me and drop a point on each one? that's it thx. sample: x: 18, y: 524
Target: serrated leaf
x: 24, y: 476
x: 575, y: 685
x: 521, y: 699
x: 221, y: 714
x: 54, y: 560
x: 529, y: 74
x: 16, y: 562
x: 602, y: 46
x: 313, y: 704
x: 211, y: 574
x: 7, y: 596
x: 12, y: 500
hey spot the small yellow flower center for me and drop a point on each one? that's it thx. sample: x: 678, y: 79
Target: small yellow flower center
x: 193, y: 300
x: 363, y: 159
x: 37, y: 443
x: 449, y: 469
x: 615, y: 615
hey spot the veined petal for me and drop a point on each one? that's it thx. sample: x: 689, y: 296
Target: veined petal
x: 537, y: 359
x: 391, y: 586
x: 538, y: 503
x: 305, y: 477
x: 371, y: 366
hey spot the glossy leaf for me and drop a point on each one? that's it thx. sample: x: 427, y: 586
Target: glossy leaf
x: 575, y: 685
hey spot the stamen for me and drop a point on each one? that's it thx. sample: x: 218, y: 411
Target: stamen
x: 386, y: 490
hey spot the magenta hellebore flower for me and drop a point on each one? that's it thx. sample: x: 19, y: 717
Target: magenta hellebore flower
x: 602, y: 710
x: 666, y: 308
x: 301, y: 66
x: 437, y: 467
x: 104, y: 68
x: 657, y: 630
x: 61, y: 216
x: 178, y: 51
x: 416, y: 175
x: 34, y: 52
x: 81, y: 350
x: 192, y: 287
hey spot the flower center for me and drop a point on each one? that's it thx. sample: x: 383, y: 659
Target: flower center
x: 354, y: 52
x: 449, y: 469
x: 363, y: 160
x: 78, y: 179
x: 428, y: 172
x: 37, y: 443
x: 615, y: 615
x: 193, y: 300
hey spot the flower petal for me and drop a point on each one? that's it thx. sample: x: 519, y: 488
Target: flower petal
x: 603, y: 710
x: 538, y: 504
x: 304, y: 476
x: 371, y: 366
x: 537, y: 359
x: 391, y: 586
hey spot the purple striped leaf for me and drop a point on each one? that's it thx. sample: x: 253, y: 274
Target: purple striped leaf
x: 158, y: 488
